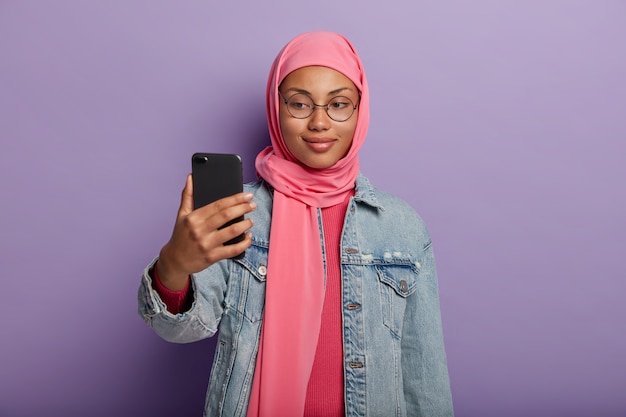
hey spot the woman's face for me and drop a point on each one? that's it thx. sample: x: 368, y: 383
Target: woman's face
x: 317, y: 141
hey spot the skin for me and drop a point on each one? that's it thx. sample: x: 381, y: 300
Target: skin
x: 316, y: 142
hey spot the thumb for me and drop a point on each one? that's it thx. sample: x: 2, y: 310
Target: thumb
x: 186, y: 200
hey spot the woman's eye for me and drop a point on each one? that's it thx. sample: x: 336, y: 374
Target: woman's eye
x: 339, y: 104
x: 298, y: 105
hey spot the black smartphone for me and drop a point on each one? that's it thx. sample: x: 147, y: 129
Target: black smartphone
x: 215, y: 176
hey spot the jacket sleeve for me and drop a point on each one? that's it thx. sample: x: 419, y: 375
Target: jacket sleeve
x: 201, y: 320
x: 424, y: 366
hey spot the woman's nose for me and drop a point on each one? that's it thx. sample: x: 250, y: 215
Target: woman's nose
x: 319, y: 120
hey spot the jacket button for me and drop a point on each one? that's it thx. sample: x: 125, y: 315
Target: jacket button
x: 262, y: 270
x: 351, y: 250
x: 403, y: 286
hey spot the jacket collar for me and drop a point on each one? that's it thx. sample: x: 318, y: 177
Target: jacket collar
x: 366, y: 193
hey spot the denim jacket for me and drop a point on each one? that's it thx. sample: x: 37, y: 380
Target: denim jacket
x: 395, y: 363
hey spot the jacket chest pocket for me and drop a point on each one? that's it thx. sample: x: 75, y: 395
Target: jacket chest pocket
x: 396, y: 283
x: 246, y: 285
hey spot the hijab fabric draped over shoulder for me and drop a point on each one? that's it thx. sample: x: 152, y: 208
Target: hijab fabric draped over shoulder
x: 295, y: 270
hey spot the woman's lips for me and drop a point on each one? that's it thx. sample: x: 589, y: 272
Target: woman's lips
x: 320, y: 144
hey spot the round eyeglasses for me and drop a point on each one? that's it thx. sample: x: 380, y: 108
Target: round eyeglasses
x: 301, y: 106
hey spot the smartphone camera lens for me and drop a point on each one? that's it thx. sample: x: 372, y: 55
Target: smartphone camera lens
x: 201, y: 159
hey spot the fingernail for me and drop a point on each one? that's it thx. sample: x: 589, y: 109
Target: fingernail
x: 247, y: 196
x: 253, y: 205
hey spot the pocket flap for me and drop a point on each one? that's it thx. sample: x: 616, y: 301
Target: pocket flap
x: 402, y: 278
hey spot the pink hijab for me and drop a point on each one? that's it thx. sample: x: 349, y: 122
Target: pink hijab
x: 295, y: 271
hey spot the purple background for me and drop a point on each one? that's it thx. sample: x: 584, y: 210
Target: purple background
x: 501, y: 122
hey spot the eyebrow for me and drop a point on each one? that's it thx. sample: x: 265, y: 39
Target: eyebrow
x: 331, y: 93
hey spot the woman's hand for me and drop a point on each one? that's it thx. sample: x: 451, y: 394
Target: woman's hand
x: 196, y: 242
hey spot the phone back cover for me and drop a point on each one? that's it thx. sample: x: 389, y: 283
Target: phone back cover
x: 215, y: 176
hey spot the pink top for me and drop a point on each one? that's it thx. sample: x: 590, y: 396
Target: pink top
x: 325, y: 392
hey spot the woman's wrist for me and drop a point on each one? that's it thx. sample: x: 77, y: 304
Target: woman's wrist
x: 168, y: 275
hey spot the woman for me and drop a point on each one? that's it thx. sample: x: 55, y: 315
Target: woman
x: 334, y: 308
